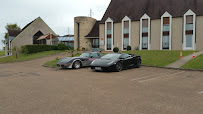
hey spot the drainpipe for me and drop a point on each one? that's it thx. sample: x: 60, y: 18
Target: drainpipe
x: 78, y: 34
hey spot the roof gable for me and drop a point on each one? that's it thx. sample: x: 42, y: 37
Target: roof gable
x: 13, y: 33
x: 135, y: 9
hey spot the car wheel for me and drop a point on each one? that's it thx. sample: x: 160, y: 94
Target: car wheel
x: 138, y: 63
x: 76, y: 64
x: 118, y: 67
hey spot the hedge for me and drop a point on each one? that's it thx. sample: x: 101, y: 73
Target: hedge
x: 29, y: 49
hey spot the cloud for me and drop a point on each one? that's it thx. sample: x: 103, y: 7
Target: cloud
x: 58, y: 14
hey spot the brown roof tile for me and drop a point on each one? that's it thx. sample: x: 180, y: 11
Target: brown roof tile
x: 135, y: 9
x: 14, y: 33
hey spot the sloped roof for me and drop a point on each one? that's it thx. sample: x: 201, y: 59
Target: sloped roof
x: 95, y: 30
x: 135, y: 9
x: 47, y: 36
x: 28, y: 25
x: 13, y: 33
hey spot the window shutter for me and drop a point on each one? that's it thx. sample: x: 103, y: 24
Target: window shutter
x: 145, y: 22
x: 189, y: 19
x: 126, y: 24
x: 166, y: 20
x: 109, y: 25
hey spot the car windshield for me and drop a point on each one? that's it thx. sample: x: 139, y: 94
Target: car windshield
x: 111, y: 56
x: 85, y: 55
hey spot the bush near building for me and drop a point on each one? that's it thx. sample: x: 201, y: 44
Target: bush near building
x: 29, y: 49
x: 116, y: 49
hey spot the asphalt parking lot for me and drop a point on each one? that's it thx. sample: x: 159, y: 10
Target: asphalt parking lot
x: 27, y: 88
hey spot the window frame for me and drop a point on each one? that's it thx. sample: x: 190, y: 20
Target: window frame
x: 126, y: 18
x: 166, y: 15
x: 145, y: 16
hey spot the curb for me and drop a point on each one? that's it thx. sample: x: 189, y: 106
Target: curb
x: 49, y: 66
x: 201, y: 70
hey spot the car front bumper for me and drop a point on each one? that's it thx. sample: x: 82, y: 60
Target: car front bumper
x: 109, y: 68
x: 67, y: 65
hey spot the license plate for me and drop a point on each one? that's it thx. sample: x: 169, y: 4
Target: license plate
x: 98, y: 68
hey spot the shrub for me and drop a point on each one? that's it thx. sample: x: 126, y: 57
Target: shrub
x: 136, y: 48
x: 128, y: 48
x: 83, y: 49
x: 116, y: 49
x: 62, y: 46
x: 29, y: 49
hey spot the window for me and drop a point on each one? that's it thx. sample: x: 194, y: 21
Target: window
x: 145, y: 30
x: 166, y: 31
x: 166, y: 28
x: 188, y: 40
x: 95, y: 43
x: 189, y: 26
x: 94, y: 55
x: 125, y: 34
x: 125, y: 56
x: 189, y: 30
x: 109, y: 36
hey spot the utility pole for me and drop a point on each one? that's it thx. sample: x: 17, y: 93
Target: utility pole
x: 91, y: 13
x: 68, y: 31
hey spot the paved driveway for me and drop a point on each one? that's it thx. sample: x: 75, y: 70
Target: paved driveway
x: 27, y: 88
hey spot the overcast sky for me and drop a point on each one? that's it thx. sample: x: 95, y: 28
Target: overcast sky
x: 58, y: 14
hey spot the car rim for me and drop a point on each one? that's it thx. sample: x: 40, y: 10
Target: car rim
x: 119, y: 67
x: 77, y: 64
x: 139, y: 63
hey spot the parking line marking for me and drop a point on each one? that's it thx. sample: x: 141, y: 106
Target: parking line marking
x: 149, y: 76
x: 200, y: 92
x: 162, y: 76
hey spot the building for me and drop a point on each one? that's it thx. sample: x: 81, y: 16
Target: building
x: 68, y: 40
x: 151, y: 25
x: 86, y: 30
x: 29, y: 35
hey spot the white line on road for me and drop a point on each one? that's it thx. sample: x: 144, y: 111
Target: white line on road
x: 150, y: 76
x: 162, y: 76
x: 200, y: 92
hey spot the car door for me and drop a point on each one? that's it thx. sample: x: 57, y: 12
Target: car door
x: 93, y: 56
x: 126, y: 60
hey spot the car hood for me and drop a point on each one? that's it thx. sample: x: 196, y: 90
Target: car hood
x: 102, y: 62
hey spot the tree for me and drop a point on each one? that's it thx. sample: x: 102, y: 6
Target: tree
x: 12, y: 27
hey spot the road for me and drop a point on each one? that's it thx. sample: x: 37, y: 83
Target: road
x: 29, y: 88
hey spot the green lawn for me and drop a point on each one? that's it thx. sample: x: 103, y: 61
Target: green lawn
x: 159, y: 57
x: 54, y: 62
x: 196, y: 63
x: 2, y: 53
x: 25, y: 57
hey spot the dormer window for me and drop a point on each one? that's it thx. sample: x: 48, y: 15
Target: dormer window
x: 166, y: 20
x: 126, y: 25
x: 145, y: 32
x: 109, y: 35
x: 189, y: 30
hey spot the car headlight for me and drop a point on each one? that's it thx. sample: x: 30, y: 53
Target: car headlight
x: 110, y: 63
x: 93, y: 61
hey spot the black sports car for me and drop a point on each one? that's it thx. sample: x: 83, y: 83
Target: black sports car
x: 116, y: 62
x: 83, y: 60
